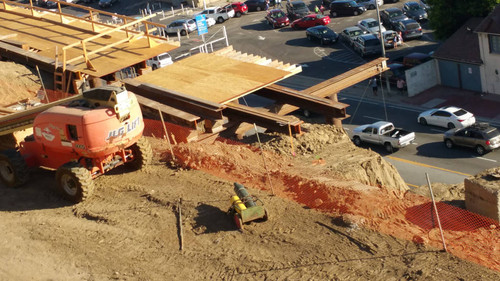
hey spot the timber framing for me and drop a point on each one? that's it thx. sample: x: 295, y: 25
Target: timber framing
x: 80, y: 44
x: 200, y: 92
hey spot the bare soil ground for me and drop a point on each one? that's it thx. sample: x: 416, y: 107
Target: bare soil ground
x: 329, y: 209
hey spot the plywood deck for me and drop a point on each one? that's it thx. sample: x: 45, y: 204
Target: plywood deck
x: 217, y: 78
x: 46, y: 36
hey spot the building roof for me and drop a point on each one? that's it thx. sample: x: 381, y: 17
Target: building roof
x: 491, y: 24
x: 463, y: 45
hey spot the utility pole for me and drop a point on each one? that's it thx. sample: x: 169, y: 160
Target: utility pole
x: 380, y: 29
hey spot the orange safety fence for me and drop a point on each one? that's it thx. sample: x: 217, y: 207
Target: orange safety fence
x: 409, y: 216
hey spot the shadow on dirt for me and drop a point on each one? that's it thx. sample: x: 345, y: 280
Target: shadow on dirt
x: 33, y: 195
x: 211, y: 219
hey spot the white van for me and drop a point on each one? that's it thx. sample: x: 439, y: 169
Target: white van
x: 160, y: 61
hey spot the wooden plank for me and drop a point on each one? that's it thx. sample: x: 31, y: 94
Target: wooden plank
x: 203, y: 74
x: 46, y: 35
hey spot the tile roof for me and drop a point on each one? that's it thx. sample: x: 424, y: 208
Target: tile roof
x: 463, y: 45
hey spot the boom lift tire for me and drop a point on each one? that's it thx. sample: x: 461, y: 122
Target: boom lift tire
x: 143, y: 153
x: 74, y: 181
x: 13, y: 169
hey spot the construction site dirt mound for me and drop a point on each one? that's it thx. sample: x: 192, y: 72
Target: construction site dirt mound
x: 333, y: 215
x: 17, y: 83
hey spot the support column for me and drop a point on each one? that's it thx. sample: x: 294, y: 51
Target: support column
x: 330, y: 119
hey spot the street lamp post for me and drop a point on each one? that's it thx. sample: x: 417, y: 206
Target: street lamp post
x: 380, y: 29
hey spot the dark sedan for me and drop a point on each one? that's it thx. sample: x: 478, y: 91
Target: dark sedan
x: 391, y: 16
x: 323, y: 34
x: 414, y: 11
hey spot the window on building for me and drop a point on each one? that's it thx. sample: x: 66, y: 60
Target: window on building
x: 494, y: 43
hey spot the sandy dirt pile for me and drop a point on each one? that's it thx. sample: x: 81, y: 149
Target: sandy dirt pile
x: 325, y: 224
x: 17, y: 82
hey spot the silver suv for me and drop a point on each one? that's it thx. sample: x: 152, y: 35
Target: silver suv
x: 480, y: 136
x: 367, y: 44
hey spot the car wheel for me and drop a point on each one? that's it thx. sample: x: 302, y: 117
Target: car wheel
x: 480, y: 150
x: 333, y: 14
x: 356, y: 13
x: 220, y: 19
x: 183, y: 32
x: 357, y: 141
x: 258, y: 9
x: 321, y: 42
x: 448, y: 143
x: 371, y: 7
x: 309, y: 38
x: 154, y: 67
x: 388, y: 147
x: 238, y: 14
x: 422, y: 121
x: 451, y: 125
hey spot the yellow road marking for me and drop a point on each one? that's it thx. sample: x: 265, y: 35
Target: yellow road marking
x: 428, y: 166
x: 412, y: 185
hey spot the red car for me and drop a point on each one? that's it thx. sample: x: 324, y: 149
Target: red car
x: 239, y: 8
x: 277, y: 18
x: 310, y: 21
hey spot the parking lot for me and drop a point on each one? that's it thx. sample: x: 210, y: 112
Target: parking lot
x: 251, y: 34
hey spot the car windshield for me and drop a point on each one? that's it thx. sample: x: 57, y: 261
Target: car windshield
x: 390, y: 36
x: 492, y: 133
x: 355, y: 33
x: 412, y: 26
x: 323, y: 30
x: 372, y: 42
x: 414, y: 7
x: 460, y: 112
x: 372, y: 24
x: 299, y: 5
x: 278, y: 15
x: 395, y: 14
x: 164, y: 56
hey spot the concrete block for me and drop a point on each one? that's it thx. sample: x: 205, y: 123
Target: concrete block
x: 482, y: 193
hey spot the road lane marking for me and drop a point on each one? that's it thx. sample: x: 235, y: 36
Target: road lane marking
x: 436, y: 130
x: 428, y: 166
x: 412, y: 185
x: 487, y: 159
x: 369, y: 117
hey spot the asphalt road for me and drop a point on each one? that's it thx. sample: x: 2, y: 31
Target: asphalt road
x: 252, y: 35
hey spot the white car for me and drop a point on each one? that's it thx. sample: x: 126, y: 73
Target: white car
x: 448, y: 117
x: 217, y: 13
x: 160, y: 61
x: 370, y: 25
x: 210, y: 21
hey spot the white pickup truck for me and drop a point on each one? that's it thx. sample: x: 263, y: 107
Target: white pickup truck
x: 219, y: 14
x: 383, y: 133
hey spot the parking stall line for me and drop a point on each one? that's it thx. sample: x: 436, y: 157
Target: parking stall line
x: 374, y: 118
x: 487, y: 159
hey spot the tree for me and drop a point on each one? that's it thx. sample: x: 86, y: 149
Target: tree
x: 446, y: 16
